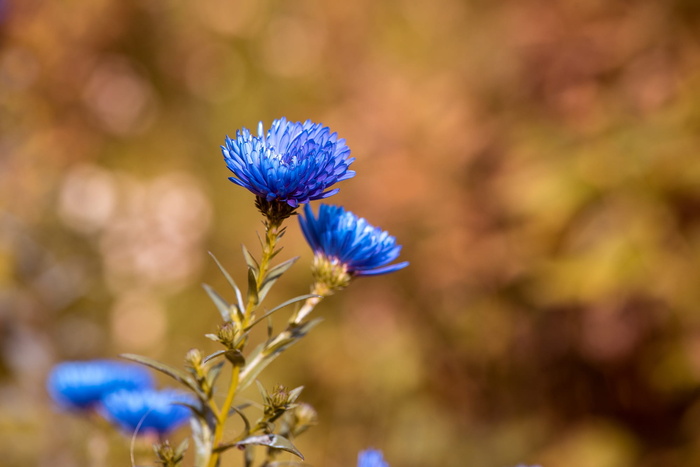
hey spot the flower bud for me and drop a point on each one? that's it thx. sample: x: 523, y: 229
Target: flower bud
x: 194, y: 358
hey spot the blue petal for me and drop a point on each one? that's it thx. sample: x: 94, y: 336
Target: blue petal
x: 294, y: 163
x: 147, y: 410
x: 371, y: 458
x: 81, y: 385
x: 338, y: 234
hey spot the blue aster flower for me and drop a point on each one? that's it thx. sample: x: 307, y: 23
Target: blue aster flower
x: 81, y: 385
x: 342, y: 238
x: 148, y: 410
x: 371, y: 458
x: 294, y: 163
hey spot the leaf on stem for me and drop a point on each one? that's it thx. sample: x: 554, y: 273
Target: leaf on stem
x: 271, y: 440
x: 222, y: 305
x: 250, y: 261
x: 246, y: 422
x: 252, y: 287
x: 182, y: 447
x: 231, y: 282
x: 274, y: 274
x: 265, y: 353
x: 280, y: 306
x: 214, y: 373
x: 218, y: 353
x: 177, y: 375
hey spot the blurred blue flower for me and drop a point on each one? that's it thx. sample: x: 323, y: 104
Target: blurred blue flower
x: 148, y: 410
x: 81, y: 385
x: 371, y: 458
x: 294, y: 163
x: 340, y: 236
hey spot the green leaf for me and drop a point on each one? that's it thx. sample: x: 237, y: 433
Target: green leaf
x: 230, y: 280
x: 280, y: 306
x: 250, y: 261
x: 218, y: 353
x: 177, y: 375
x: 214, y: 373
x: 252, y: 287
x: 262, y: 356
x: 273, y: 441
x: 246, y: 422
x: 182, y: 447
x: 263, y: 391
x: 221, y: 304
x: 274, y: 274
x: 294, y: 394
x: 212, y: 337
x: 239, y: 306
x: 296, y: 333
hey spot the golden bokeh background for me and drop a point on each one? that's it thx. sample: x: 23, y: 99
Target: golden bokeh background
x: 539, y: 161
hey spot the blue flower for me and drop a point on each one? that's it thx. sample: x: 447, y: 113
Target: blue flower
x: 81, y: 385
x: 371, y: 458
x: 148, y: 410
x: 294, y: 163
x: 341, y: 237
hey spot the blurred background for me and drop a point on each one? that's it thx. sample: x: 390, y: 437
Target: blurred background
x: 538, y: 160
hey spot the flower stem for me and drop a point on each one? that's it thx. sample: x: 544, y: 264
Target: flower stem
x: 321, y: 291
x: 273, y: 232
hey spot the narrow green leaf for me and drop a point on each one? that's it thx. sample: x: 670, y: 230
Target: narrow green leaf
x: 214, y: 373
x: 182, y: 447
x: 231, y: 282
x: 221, y: 304
x: 273, y: 441
x: 246, y: 422
x: 294, y: 394
x: 228, y: 277
x: 212, y: 337
x: 270, y: 354
x: 252, y: 287
x: 263, y: 391
x: 296, y: 333
x: 276, y: 252
x: 218, y: 353
x: 300, y: 298
x: 282, y: 267
x: 274, y: 274
x: 177, y: 375
x: 250, y: 261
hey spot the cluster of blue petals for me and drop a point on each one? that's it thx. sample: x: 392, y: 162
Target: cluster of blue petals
x: 294, y: 163
x: 82, y: 385
x: 371, y: 458
x: 340, y: 235
x: 147, y: 411
x: 122, y: 392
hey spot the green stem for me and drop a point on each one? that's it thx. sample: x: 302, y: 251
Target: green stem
x: 319, y: 289
x: 272, y: 235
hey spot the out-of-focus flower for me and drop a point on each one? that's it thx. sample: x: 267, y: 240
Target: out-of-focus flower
x: 148, y: 410
x: 371, y: 458
x: 294, y: 163
x: 81, y: 385
x: 340, y: 238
